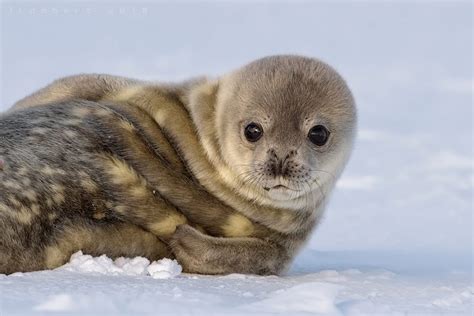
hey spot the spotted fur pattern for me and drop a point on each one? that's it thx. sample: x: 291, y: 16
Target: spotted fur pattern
x: 123, y: 167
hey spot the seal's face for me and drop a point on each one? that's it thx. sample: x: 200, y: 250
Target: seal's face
x: 286, y: 126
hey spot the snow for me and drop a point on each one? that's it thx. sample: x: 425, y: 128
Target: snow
x: 164, y: 269
x: 161, y: 269
x: 312, y: 297
x: 133, y: 266
x: 397, y: 235
x: 318, y: 284
x: 57, y: 303
x: 358, y: 182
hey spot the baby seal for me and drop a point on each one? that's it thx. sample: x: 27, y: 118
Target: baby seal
x: 227, y: 176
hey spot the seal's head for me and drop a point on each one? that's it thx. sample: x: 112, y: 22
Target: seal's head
x: 284, y: 126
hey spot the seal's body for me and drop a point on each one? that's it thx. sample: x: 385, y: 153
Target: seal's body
x: 227, y: 176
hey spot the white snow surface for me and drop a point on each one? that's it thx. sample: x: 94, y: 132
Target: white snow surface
x: 318, y: 284
x: 397, y: 235
x: 161, y: 269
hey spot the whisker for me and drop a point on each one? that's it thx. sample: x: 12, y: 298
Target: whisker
x: 323, y: 171
x: 320, y: 188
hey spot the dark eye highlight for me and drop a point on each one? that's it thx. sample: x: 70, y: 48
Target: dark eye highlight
x: 318, y: 135
x: 253, y: 132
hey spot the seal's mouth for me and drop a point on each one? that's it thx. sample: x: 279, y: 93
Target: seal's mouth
x: 278, y: 187
x: 281, y: 192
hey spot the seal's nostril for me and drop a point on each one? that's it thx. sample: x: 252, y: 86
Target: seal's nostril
x: 280, y: 166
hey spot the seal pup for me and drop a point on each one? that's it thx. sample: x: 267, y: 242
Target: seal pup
x: 227, y: 175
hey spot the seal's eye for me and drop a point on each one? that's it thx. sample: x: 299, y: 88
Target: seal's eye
x: 253, y: 132
x: 318, y: 135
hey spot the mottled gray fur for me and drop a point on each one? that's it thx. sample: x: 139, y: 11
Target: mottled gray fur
x: 125, y: 167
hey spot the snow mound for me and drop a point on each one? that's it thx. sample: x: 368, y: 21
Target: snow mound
x: 164, y: 269
x: 318, y: 298
x: 161, y: 269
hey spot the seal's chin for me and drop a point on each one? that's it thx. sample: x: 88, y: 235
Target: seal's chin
x: 281, y: 192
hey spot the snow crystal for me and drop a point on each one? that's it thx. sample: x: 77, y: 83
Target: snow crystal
x: 161, y: 269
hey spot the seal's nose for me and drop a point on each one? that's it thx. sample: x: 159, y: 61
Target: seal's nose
x: 277, y: 164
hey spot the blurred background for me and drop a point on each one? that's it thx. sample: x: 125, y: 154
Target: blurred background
x: 408, y: 187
